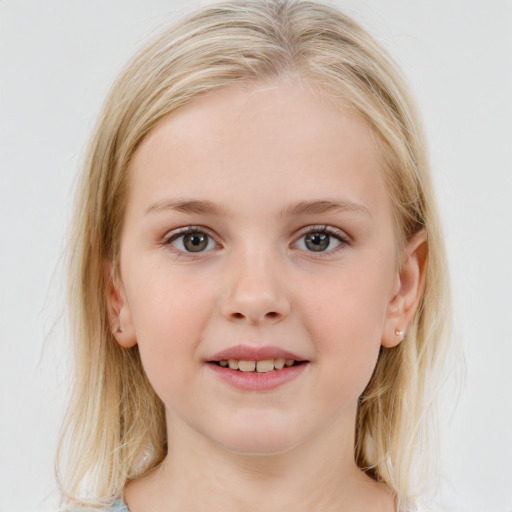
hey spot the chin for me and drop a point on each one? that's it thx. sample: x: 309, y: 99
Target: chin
x: 259, y: 441
x: 263, y: 448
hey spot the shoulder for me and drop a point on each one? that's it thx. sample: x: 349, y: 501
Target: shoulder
x: 118, y: 506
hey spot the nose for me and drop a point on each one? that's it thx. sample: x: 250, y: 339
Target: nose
x: 257, y: 291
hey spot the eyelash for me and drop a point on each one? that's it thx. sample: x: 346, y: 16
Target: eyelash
x: 182, y: 232
x: 332, y: 232
x: 335, y: 233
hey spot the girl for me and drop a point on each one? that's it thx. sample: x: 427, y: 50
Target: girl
x: 258, y: 277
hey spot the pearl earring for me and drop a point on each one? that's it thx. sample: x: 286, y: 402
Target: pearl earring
x: 399, y: 333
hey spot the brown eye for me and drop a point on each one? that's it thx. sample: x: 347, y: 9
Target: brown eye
x: 195, y: 242
x: 192, y: 241
x: 322, y: 239
x: 317, y: 242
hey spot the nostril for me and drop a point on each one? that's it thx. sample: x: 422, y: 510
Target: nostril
x: 270, y: 314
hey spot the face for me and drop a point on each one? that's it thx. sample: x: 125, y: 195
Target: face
x: 258, y: 232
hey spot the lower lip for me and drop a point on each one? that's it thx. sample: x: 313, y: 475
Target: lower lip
x: 254, y: 381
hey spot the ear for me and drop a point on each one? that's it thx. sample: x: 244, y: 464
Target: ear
x: 408, y: 291
x: 118, y: 309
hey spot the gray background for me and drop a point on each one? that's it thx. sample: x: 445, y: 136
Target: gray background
x: 57, y: 60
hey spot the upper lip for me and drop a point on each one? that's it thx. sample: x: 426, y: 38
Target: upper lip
x: 250, y: 353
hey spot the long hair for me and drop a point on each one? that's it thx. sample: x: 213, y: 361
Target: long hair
x: 115, y: 428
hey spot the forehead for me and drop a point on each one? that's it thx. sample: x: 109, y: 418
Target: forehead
x: 247, y: 140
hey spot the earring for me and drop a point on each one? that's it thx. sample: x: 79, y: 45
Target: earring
x: 118, y: 330
x: 399, y: 333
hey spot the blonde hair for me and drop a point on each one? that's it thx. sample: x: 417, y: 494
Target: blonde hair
x: 115, y: 427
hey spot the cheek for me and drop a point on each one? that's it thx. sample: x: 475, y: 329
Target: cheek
x: 349, y: 304
x: 167, y: 307
x: 346, y: 320
x: 169, y: 316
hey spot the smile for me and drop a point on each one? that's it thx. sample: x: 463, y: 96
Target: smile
x: 263, y: 366
x: 257, y: 369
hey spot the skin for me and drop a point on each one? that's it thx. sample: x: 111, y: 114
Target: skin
x: 249, y: 152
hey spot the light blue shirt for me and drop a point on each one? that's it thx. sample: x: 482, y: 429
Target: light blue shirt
x: 119, y: 506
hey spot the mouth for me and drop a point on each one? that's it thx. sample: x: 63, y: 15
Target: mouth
x: 256, y: 369
x: 258, y: 375
x: 259, y: 359
x: 257, y: 366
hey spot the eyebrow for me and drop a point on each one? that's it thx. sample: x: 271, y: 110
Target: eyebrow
x: 315, y: 207
x: 188, y: 206
x: 325, y: 206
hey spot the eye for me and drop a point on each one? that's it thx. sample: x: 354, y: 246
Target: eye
x: 321, y: 239
x: 191, y: 240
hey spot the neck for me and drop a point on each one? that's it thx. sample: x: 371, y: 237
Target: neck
x: 200, y: 475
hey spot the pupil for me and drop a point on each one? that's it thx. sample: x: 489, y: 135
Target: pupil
x: 317, y: 241
x: 195, y: 242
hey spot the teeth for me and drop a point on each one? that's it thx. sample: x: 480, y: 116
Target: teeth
x: 279, y: 364
x: 246, y: 366
x: 264, y: 366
